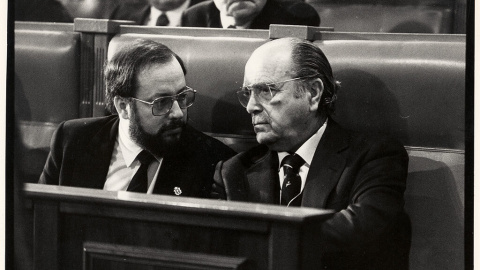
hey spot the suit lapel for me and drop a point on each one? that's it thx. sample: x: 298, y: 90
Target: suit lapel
x: 180, y: 169
x: 143, y: 15
x: 262, y: 179
x: 327, y: 166
x: 175, y: 172
x: 213, y: 19
x: 262, y: 21
x: 194, y: 2
x: 92, y: 167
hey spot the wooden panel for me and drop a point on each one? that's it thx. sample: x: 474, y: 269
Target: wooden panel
x: 106, y: 256
x: 46, y: 235
x: 232, y: 235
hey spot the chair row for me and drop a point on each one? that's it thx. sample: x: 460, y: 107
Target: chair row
x: 411, y: 87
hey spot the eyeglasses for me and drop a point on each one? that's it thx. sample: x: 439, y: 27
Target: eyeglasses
x: 163, y: 105
x: 264, y: 91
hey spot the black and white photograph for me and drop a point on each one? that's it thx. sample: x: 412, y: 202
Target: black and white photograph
x: 239, y: 134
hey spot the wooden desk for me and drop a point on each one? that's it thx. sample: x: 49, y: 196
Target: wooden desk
x: 96, y: 229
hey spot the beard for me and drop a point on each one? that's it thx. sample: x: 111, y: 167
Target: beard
x: 159, y: 143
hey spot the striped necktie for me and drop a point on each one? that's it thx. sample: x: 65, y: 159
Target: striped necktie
x: 292, y: 182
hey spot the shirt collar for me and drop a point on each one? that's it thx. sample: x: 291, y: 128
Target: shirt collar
x: 230, y: 21
x: 174, y: 15
x: 130, y: 149
x: 308, y: 148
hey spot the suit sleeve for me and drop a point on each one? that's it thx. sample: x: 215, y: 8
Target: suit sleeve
x: 303, y: 14
x: 376, y: 200
x: 218, y: 187
x: 51, y: 171
x: 114, y: 14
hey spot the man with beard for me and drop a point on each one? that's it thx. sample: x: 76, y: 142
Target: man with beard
x: 146, y: 146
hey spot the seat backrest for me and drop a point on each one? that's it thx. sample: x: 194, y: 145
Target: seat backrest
x: 47, y: 71
x: 410, y: 87
x: 382, y: 17
x: 435, y: 202
x: 390, y: 86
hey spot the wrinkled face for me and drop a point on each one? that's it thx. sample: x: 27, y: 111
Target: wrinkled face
x: 280, y: 122
x: 242, y: 10
x: 166, y: 5
x: 157, y: 133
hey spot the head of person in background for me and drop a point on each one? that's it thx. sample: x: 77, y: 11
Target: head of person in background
x: 254, y: 14
x: 146, y: 87
x: 153, y: 12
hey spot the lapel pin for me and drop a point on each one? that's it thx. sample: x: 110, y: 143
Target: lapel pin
x: 177, y: 191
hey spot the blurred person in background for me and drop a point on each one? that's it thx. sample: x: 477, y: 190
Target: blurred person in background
x: 254, y: 14
x: 154, y: 12
x: 41, y: 11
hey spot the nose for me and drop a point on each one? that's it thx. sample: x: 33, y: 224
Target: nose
x: 253, y: 106
x: 175, y: 112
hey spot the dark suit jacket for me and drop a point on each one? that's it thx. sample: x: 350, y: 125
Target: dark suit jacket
x: 41, y: 11
x: 206, y: 14
x: 362, y: 179
x: 137, y: 12
x: 81, y: 150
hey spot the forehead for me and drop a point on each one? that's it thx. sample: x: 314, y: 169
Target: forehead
x: 266, y: 65
x: 157, y: 80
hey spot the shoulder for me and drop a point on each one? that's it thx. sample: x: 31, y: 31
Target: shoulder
x: 125, y: 7
x: 200, y: 142
x: 85, y: 126
x: 197, y: 15
x: 195, y: 2
x: 248, y: 158
x: 89, y: 122
x: 130, y: 11
x: 292, y: 12
x: 368, y: 145
x: 200, y: 7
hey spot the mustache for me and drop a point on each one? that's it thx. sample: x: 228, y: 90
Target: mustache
x: 174, y: 124
x: 260, y: 119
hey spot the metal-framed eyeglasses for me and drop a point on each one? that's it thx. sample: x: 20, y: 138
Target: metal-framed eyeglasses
x: 163, y: 105
x: 263, y: 91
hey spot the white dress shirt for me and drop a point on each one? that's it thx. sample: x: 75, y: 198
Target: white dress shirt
x: 174, y: 15
x: 306, y: 151
x: 124, y: 163
x: 230, y: 21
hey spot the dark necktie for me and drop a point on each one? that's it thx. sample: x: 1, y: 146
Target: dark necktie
x: 139, y: 181
x: 292, y: 183
x: 162, y: 20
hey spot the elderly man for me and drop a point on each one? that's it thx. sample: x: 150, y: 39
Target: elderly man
x: 154, y: 12
x: 254, y: 14
x: 306, y: 159
x: 146, y: 146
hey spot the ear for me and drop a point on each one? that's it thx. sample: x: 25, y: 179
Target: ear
x: 315, y: 91
x: 122, y: 106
